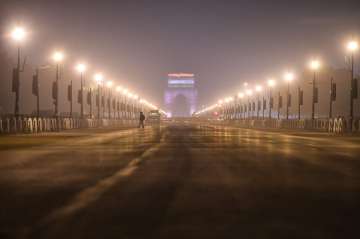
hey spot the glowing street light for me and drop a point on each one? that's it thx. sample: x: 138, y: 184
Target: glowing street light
x: 81, y: 68
x: 58, y: 56
x: 249, y: 92
x: 352, y: 47
x: 288, y: 77
x: 98, y: 77
x: 271, y: 83
x: 109, y: 84
x: 258, y: 88
x: 18, y: 35
x: 314, y: 66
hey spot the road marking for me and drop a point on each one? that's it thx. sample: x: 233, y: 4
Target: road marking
x: 92, y: 194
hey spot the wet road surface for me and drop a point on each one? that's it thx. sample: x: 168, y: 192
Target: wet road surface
x: 179, y: 181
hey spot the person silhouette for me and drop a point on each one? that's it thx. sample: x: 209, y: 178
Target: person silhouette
x: 141, y: 120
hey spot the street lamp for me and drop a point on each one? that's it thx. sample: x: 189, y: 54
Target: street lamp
x: 98, y: 77
x: 249, y: 93
x: 109, y: 84
x: 314, y: 66
x: 81, y: 68
x: 241, y: 96
x: 136, y: 98
x: 124, y: 113
x: 258, y: 89
x: 288, y: 77
x: 57, y: 57
x: 271, y: 84
x: 352, y: 47
x: 18, y: 35
x: 118, y: 89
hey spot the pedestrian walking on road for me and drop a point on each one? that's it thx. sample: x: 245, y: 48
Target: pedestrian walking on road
x: 141, y: 120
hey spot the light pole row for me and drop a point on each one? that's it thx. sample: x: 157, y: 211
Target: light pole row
x: 314, y: 65
x: 18, y: 35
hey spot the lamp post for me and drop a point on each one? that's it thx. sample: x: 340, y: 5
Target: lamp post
x: 118, y: 106
x: 279, y: 105
x: 249, y: 93
x: 300, y: 101
x: 314, y: 66
x: 241, y: 96
x: 258, y: 89
x: 99, y: 80
x: 136, y: 98
x: 271, y: 83
x: 81, y: 68
x: 36, y: 87
x: 220, y: 102
x: 70, y: 97
x: 89, y: 101
x: 18, y: 35
x: 124, y: 92
x: 352, y: 47
x: 131, y: 104
x: 288, y: 77
x: 109, y: 84
x: 58, y: 57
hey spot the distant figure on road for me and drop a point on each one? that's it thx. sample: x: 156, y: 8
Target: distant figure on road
x: 141, y: 120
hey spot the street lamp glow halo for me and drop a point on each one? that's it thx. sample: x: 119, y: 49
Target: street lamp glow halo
x: 98, y: 77
x: 315, y: 65
x: 109, y: 84
x: 289, y: 76
x: 352, y: 46
x: 81, y: 67
x: 58, y: 56
x: 258, y: 88
x: 18, y: 34
x: 271, y: 83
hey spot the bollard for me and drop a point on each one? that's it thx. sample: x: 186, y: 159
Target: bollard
x: 29, y: 126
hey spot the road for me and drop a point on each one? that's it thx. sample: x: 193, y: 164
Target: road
x: 179, y: 181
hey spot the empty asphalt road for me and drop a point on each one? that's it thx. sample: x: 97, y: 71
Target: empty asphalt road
x: 179, y: 181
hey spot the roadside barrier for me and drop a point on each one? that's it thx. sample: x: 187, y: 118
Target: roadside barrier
x: 336, y: 125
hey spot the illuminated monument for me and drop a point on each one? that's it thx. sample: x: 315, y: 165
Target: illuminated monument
x: 180, y: 95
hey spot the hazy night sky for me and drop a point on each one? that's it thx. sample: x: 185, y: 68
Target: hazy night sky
x: 223, y: 42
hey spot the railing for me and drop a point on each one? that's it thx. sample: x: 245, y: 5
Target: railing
x: 38, y: 125
x: 334, y: 125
